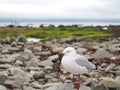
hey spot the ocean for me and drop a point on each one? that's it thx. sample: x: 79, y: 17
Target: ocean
x: 37, y: 24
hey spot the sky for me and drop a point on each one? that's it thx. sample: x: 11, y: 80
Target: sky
x: 60, y: 9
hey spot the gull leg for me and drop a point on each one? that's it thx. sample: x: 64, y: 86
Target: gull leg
x: 77, y: 83
x: 73, y: 78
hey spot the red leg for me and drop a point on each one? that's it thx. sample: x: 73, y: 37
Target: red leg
x: 77, y: 83
x: 73, y: 78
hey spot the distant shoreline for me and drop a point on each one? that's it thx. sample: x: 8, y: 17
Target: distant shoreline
x: 37, y: 24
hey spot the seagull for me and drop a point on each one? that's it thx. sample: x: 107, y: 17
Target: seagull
x: 75, y: 64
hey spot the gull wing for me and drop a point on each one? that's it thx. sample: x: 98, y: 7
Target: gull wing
x: 81, y: 60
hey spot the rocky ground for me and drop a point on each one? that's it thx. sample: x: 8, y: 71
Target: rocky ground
x: 36, y: 65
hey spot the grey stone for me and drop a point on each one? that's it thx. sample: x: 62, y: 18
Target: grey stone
x: 45, y: 53
x: 111, y: 83
x: 13, y: 49
x: 98, y: 86
x: 25, y: 56
x: 34, y: 68
x: 38, y: 49
x: 116, y: 72
x: 15, y: 81
x: 39, y: 75
x: 53, y: 57
x: 110, y: 67
x: 4, y: 72
x: 66, y: 40
x: 21, y: 38
x: 8, y: 58
x: 65, y: 86
x: 2, y: 87
x: 36, y: 85
x: 101, y: 54
x: 32, y: 63
x: 18, y: 63
x: 14, y: 44
x: 48, y: 68
x: 16, y: 71
x: 117, y: 68
x: 55, y: 49
x: 47, y: 62
x: 5, y: 66
x: 3, y: 78
x: 81, y: 50
x: 29, y: 88
x: 5, y: 50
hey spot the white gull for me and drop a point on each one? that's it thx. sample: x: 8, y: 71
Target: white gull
x: 75, y: 63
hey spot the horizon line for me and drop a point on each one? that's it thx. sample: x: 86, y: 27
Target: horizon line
x: 59, y: 19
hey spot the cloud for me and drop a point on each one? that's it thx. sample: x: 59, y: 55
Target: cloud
x: 60, y: 8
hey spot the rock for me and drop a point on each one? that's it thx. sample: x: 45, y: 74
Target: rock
x: 110, y: 67
x: 15, y: 81
x: 32, y: 63
x: 21, y: 38
x: 5, y: 66
x: 19, y: 63
x: 48, y: 68
x: 38, y: 49
x: 16, y: 71
x: 4, y: 72
x: 65, y: 86
x: 14, y: 44
x: 47, y: 62
x: 5, y: 60
x: 110, y: 82
x: 14, y: 49
x: 51, y: 77
x: 66, y: 40
x: 5, y: 50
x: 115, y: 72
x: 36, y: 85
x: 39, y: 75
x: 117, y: 68
x: 2, y: 87
x: 81, y: 50
x: 8, y: 58
x: 55, y: 49
x: 45, y: 53
x: 3, y: 78
x: 28, y: 88
x: 34, y: 68
x: 53, y: 57
x: 25, y: 56
x: 101, y: 54
x: 12, y: 39
x: 98, y: 86
x: 89, y: 57
x: 114, y: 48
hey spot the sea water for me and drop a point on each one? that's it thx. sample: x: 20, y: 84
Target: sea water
x: 37, y: 24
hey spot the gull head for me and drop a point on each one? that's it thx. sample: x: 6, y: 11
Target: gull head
x: 69, y: 50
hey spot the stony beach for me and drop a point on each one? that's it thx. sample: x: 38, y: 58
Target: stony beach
x: 26, y: 65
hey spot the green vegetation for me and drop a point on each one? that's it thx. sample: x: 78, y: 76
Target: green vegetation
x: 52, y: 33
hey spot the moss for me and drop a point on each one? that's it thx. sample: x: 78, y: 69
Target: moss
x: 48, y: 34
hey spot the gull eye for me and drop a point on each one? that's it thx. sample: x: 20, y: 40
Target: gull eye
x: 68, y: 51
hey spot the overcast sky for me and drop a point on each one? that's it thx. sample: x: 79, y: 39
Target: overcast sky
x: 60, y: 8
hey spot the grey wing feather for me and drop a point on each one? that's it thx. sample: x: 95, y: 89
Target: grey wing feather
x: 81, y: 60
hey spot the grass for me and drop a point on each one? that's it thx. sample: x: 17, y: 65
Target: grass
x: 49, y: 34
